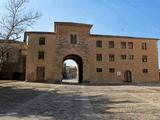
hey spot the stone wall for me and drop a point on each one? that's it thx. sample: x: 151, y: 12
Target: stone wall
x: 14, y: 67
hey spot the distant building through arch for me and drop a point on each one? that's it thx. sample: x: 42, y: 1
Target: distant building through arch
x: 79, y: 62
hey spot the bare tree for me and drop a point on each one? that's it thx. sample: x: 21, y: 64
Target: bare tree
x: 4, y: 50
x: 17, y: 19
x: 13, y: 24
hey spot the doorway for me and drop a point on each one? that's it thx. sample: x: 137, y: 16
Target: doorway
x: 128, y: 76
x: 72, y: 70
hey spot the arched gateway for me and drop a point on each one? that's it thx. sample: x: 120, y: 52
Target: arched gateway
x: 79, y: 62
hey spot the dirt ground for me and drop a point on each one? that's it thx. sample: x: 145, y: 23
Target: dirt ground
x: 39, y: 101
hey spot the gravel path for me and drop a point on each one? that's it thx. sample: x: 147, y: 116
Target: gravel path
x: 64, y: 102
x: 77, y: 102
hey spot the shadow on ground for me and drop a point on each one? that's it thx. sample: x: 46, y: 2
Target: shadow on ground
x: 11, y: 97
x: 54, y: 104
x: 86, y: 84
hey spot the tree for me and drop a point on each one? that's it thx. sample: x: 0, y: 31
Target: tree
x: 17, y: 19
x: 13, y: 24
x: 4, y: 50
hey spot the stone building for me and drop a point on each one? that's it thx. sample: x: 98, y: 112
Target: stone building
x: 100, y: 58
x: 14, y: 59
x: 70, y: 72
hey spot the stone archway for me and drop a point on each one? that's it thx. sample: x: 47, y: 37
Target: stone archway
x: 79, y: 62
x: 128, y: 76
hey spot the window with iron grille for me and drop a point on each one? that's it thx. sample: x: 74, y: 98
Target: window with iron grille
x: 123, y: 57
x: 111, y: 44
x: 99, y: 57
x: 123, y: 45
x: 111, y: 57
x: 145, y: 70
x: 111, y: 70
x: 42, y: 41
x: 130, y: 45
x: 131, y: 57
x: 144, y: 46
x: 41, y: 55
x: 99, y: 43
x: 144, y: 58
x: 98, y: 69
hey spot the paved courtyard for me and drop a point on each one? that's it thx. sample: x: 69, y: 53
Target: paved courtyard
x: 37, y: 101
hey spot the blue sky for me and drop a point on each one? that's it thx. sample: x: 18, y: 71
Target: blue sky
x: 115, y: 17
x: 70, y: 62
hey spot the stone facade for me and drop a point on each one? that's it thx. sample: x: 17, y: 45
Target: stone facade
x: 14, y: 66
x: 127, y: 63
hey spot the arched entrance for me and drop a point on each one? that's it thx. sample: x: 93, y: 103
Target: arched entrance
x: 79, y: 62
x: 128, y: 76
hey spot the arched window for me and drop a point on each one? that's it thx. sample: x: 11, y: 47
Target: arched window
x: 73, y: 39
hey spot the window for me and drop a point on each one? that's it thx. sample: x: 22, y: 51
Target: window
x: 145, y: 70
x: 98, y: 69
x: 111, y: 70
x: 42, y: 41
x: 40, y: 76
x: 111, y: 58
x: 123, y: 57
x: 131, y: 57
x: 111, y: 44
x: 99, y: 43
x: 73, y: 39
x: 144, y: 46
x: 99, y: 57
x: 123, y: 45
x: 41, y: 55
x: 144, y: 58
x: 130, y: 45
